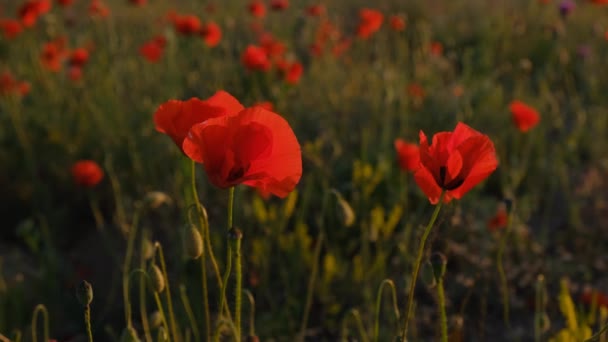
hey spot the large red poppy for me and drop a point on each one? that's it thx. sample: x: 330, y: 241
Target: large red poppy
x: 408, y: 155
x: 455, y: 162
x: 175, y: 118
x: 256, y: 147
x: 524, y: 116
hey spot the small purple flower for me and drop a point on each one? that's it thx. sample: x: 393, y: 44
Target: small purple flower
x: 566, y: 6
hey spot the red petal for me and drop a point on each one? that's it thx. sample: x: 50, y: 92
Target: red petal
x: 428, y: 185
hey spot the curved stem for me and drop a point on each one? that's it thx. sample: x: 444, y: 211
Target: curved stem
x: 311, y: 285
x: 357, y: 317
x: 40, y: 308
x: 127, y: 264
x: 251, y: 312
x: 410, y: 298
x: 203, y: 257
x: 168, y: 292
x: 163, y: 318
x: 442, y: 314
x: 189, y: 313
x: 142, y: 290
x: 391, y: 284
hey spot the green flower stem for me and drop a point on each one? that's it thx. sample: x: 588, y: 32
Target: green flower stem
x: 189, y: 312
x: 173, y: 325
x: 501, y: 270
x: 443, y: 321
x: 159, y: 305
x: 391, y: 284
x: 87, y: 322
x: 40, y: 308
x: 238, y: 285
x: 216, y: 336
x: 142, y: 290
x: 202, y: 227
x: 311, y: 285
x: 127, y: 264
x: 414, y: 277
x: 358, y: 322
x: 230, y: 207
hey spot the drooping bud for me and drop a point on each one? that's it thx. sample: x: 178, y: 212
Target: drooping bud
x: 155, y: 276
x: 193, y: 242
x: 84, y: 293
x: 439, y: 262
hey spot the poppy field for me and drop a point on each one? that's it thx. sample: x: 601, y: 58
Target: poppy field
x: 275, y: 170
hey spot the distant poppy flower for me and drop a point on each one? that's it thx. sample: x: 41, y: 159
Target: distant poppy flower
x: 316, y: 49
x: 52, y: 56
x: 256, y: 147
x: 524, y: 117
x: 98, y: 8
x: 11, y: 28
x: 211, y: 8
x: 293, y: 73
x: 153, y: 50
x: 255, y: 58
x: 265, y: 104
x: 211, y: 33
x: 75, y: 73
x: 408, y: 155
x: 458, y: 90
x: 257, y: 9
x: 64, y: 3
x: 175, y: 118
x: 187, y: 24
x: 315, y: 10
x: 397, y: 23
x: 279, y: 5
x: 589, y: 296
x: 31, y: 10
x: 436, y: 49
x: 415, y: 91
x: 78, y: 57
x: 341, y: 46
x: 600, y: 2
x: 273, y: 47
x: 11, y: 86
x: 455, y: 162
x: 370, y: 21
x: 138, y: 2
x: 87, y: 173
x: 499, y: 220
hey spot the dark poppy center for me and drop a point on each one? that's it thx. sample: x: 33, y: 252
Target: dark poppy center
x: 455, y: 183
x: 236, y: 173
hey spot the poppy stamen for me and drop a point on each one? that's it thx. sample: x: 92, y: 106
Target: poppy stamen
x: 455, y: 183
x: 236, y: 173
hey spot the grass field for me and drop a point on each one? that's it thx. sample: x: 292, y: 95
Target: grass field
x: 330, y: 248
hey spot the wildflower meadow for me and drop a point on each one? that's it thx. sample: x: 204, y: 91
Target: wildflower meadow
x: 282, y: 170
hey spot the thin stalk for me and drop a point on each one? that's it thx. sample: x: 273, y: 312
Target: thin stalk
x: 188, y: 308
x: 142, y: 291
x: 410, y: 298
x: 40, y: 308
x: 127, y: 264
x: 501, y: 270
x: 311, y: 285
x: 216, y: 337
x: 87, y: 322
x: 235, y: 236
x: 161, y: 256
x: 159, y: 305
x: 538, y: 312
x: 443, y: 321
x: 358, y: 322
x: 251, y: 312
x: 230, y: 207
x: 391, y: 284
x: 203, y: 257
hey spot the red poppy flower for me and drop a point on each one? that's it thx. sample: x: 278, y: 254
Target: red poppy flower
x: 153, y: 50
x: 416, y: 91
x: 255, y: 58
x: 455, y: 162
x: 524, y: 116
x: 211, y: 33
x: 436, y: 49
x: 98, y: 8
x: 342, y: 46
x: 79, y: 57
x: 293, y: 73
x: 315, y: 10
x: 11, y: 28
x: 589, y: 296
x: 256, y: 147
x: 499, y: 220
x: 397, y: 23
x: 408, y: 155
x: 31, y: 10
x: 75, y: 73
x: 138, y: 2
x: 64, y: 3
x: 11, y: 86
x: 279, y: 5
x: 370, y: 21
x: 273, y: 47
x: 257, y: 9
x: 186, y: 24
x: 87, y: 173
x: 265, y: 104
x: 175, y: 118
x: 52, y: 56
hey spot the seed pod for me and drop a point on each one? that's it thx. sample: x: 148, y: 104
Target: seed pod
x: 155, y: 276
x: 155, y: 319
x: 84, y: 293
x: 193, y: 242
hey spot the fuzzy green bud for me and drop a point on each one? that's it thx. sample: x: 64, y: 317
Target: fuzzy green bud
x: 193, y: 242
x: 84, y: 293
x: 155, y: 276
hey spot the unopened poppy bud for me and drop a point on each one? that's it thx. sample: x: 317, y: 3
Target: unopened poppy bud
x: 155, y: 319
x: 252, y: 338
x: 193, y: 242
x: 129, y: 335
x: 346, y: 213
x: 157, y: 281
x: 155, y: 199
x: 439, y: 262
x: 147, y: 249
x: 84, y: 293
x: 235, y: 234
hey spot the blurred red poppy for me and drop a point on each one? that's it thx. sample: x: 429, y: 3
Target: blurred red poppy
x: 415, y: 91
x: 408, y: 155
x: 524, y: 117
x: 11, y: 28
x: 211, y: 33
x: 52, y: 55
x: 153, y: 50
x: 31, y: 10
x: 64, y: 3
x: 75, y: 73
x: 293, y: 73
x: 175, y: 118
x: 273, y: 47
x: 78, y: 57
x: 341, y: 46
x: 257, y: 9
x: 279, y: 5
x: 98, y: 8
x: 455, y: 162
x: 138, y: 2
x: 186, y: 24
x: 370, y: 21
x: 600, y: 2
x: 589, y: 296
x: 436, y: 49
x: 256, y: 147
x: 265, y: 104
x: 255, y: 58
x: 315, y: 10
x: 397, y: 23
x: 499, y: 220
x: 11, y: 86
x: 87, y: 173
